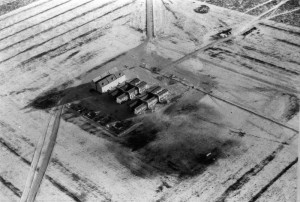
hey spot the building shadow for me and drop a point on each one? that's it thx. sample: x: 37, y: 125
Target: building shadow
x: 58, y: 96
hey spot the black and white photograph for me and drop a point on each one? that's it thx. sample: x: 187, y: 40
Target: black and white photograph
x: 149, y: 100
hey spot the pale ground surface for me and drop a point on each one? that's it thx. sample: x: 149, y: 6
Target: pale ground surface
x: 252, y: 81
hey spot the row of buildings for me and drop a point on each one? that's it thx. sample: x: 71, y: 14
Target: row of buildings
x: 149, y: 100
x: 136, y: 90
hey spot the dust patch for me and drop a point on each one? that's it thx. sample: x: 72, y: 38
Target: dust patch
x: 183, y: 139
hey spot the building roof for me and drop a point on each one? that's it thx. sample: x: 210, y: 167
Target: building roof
x: 131, y: 90
x: 122, y: 97
x: 141, y: 84
x: 108, y: 78
x: 151, y: 100
x: 134, y: 81
x: 163, y: 92
x: 156, y: 90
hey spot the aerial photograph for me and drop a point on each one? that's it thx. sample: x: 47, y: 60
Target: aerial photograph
x: 149, y: 100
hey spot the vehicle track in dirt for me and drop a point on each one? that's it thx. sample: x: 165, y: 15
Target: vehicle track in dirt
x: 149, y: 20
x: 3, y: 28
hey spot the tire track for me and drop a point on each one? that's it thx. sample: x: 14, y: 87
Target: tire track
x: 15, y: 151
x: 241, y: 29
x: 11, y: 187
x: 26, y: 10
x: 149, y: 20
x: 83, y: 182
x: 263, y: 81
x: 73, y: 43
x: 97, y: 18
x: 265, y: 188
x: 177, y: 23
x: 288, y: 42
x: 229, y: 53
x: 37, y: 34
x: 249, y: 48
x: 122, y: 16
x: 239, y: 183
x: 63, y: 189
x: 292, y: 32
x: 101, y: 65
x: 169, y: 9
x: 33, y: 16
x: 230, y: 102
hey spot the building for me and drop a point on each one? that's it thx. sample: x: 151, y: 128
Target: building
x: 162, y: 95
x: 149, y: 100
x: 142, y: 86
x: 139, y: 109
x: 128, y: 95
x: 129, y: 90
x: 108, y: 81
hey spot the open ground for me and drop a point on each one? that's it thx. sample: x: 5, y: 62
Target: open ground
x: 228, y: 133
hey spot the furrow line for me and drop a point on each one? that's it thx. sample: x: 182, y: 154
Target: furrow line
x: 33, y: 16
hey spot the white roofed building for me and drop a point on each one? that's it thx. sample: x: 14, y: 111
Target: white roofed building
x: 108, y: 81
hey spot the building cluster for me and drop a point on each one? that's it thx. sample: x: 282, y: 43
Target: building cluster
x: 149, y: 100
x: 129, y: 90
x: 136, y: 90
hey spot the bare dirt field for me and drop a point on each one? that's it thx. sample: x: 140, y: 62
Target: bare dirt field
x: 227, y: 133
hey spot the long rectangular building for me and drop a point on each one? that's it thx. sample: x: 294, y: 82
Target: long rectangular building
x: 107, y: 82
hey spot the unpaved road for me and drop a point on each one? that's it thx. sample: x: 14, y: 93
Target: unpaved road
x: 45, y: 158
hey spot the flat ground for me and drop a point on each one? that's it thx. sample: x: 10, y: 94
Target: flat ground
x: 237, y: 99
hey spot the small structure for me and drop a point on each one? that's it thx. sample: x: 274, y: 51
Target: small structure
x: 108, y: 81
x: 162, y: 95
x: 128, y: 95
x: 129, y: 90
x: 149, y: 100
x: 141, y: 87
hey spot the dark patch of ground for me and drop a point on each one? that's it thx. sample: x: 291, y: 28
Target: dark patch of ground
x: 51, y: 97
x: 71, y: 56
x: 12, y: 5
x: 86, y: 57
x: 202, y: 9
x: 23, y: 90
x: 293, y: 107
x: 184, y: 139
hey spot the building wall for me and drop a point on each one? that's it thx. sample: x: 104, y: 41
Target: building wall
x: 140, y: 109
x: 93, y: 84
x: 122, y: 98
x: 111, y: 85
x: 152, y: 102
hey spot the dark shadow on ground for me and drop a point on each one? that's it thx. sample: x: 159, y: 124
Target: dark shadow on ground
x: 52, y: 97
x: 83, y: 95
x: 184, y: 139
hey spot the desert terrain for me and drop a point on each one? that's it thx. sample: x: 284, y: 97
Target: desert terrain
x: 228, y: 131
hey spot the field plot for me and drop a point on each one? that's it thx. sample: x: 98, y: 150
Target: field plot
x: 227, y: 132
